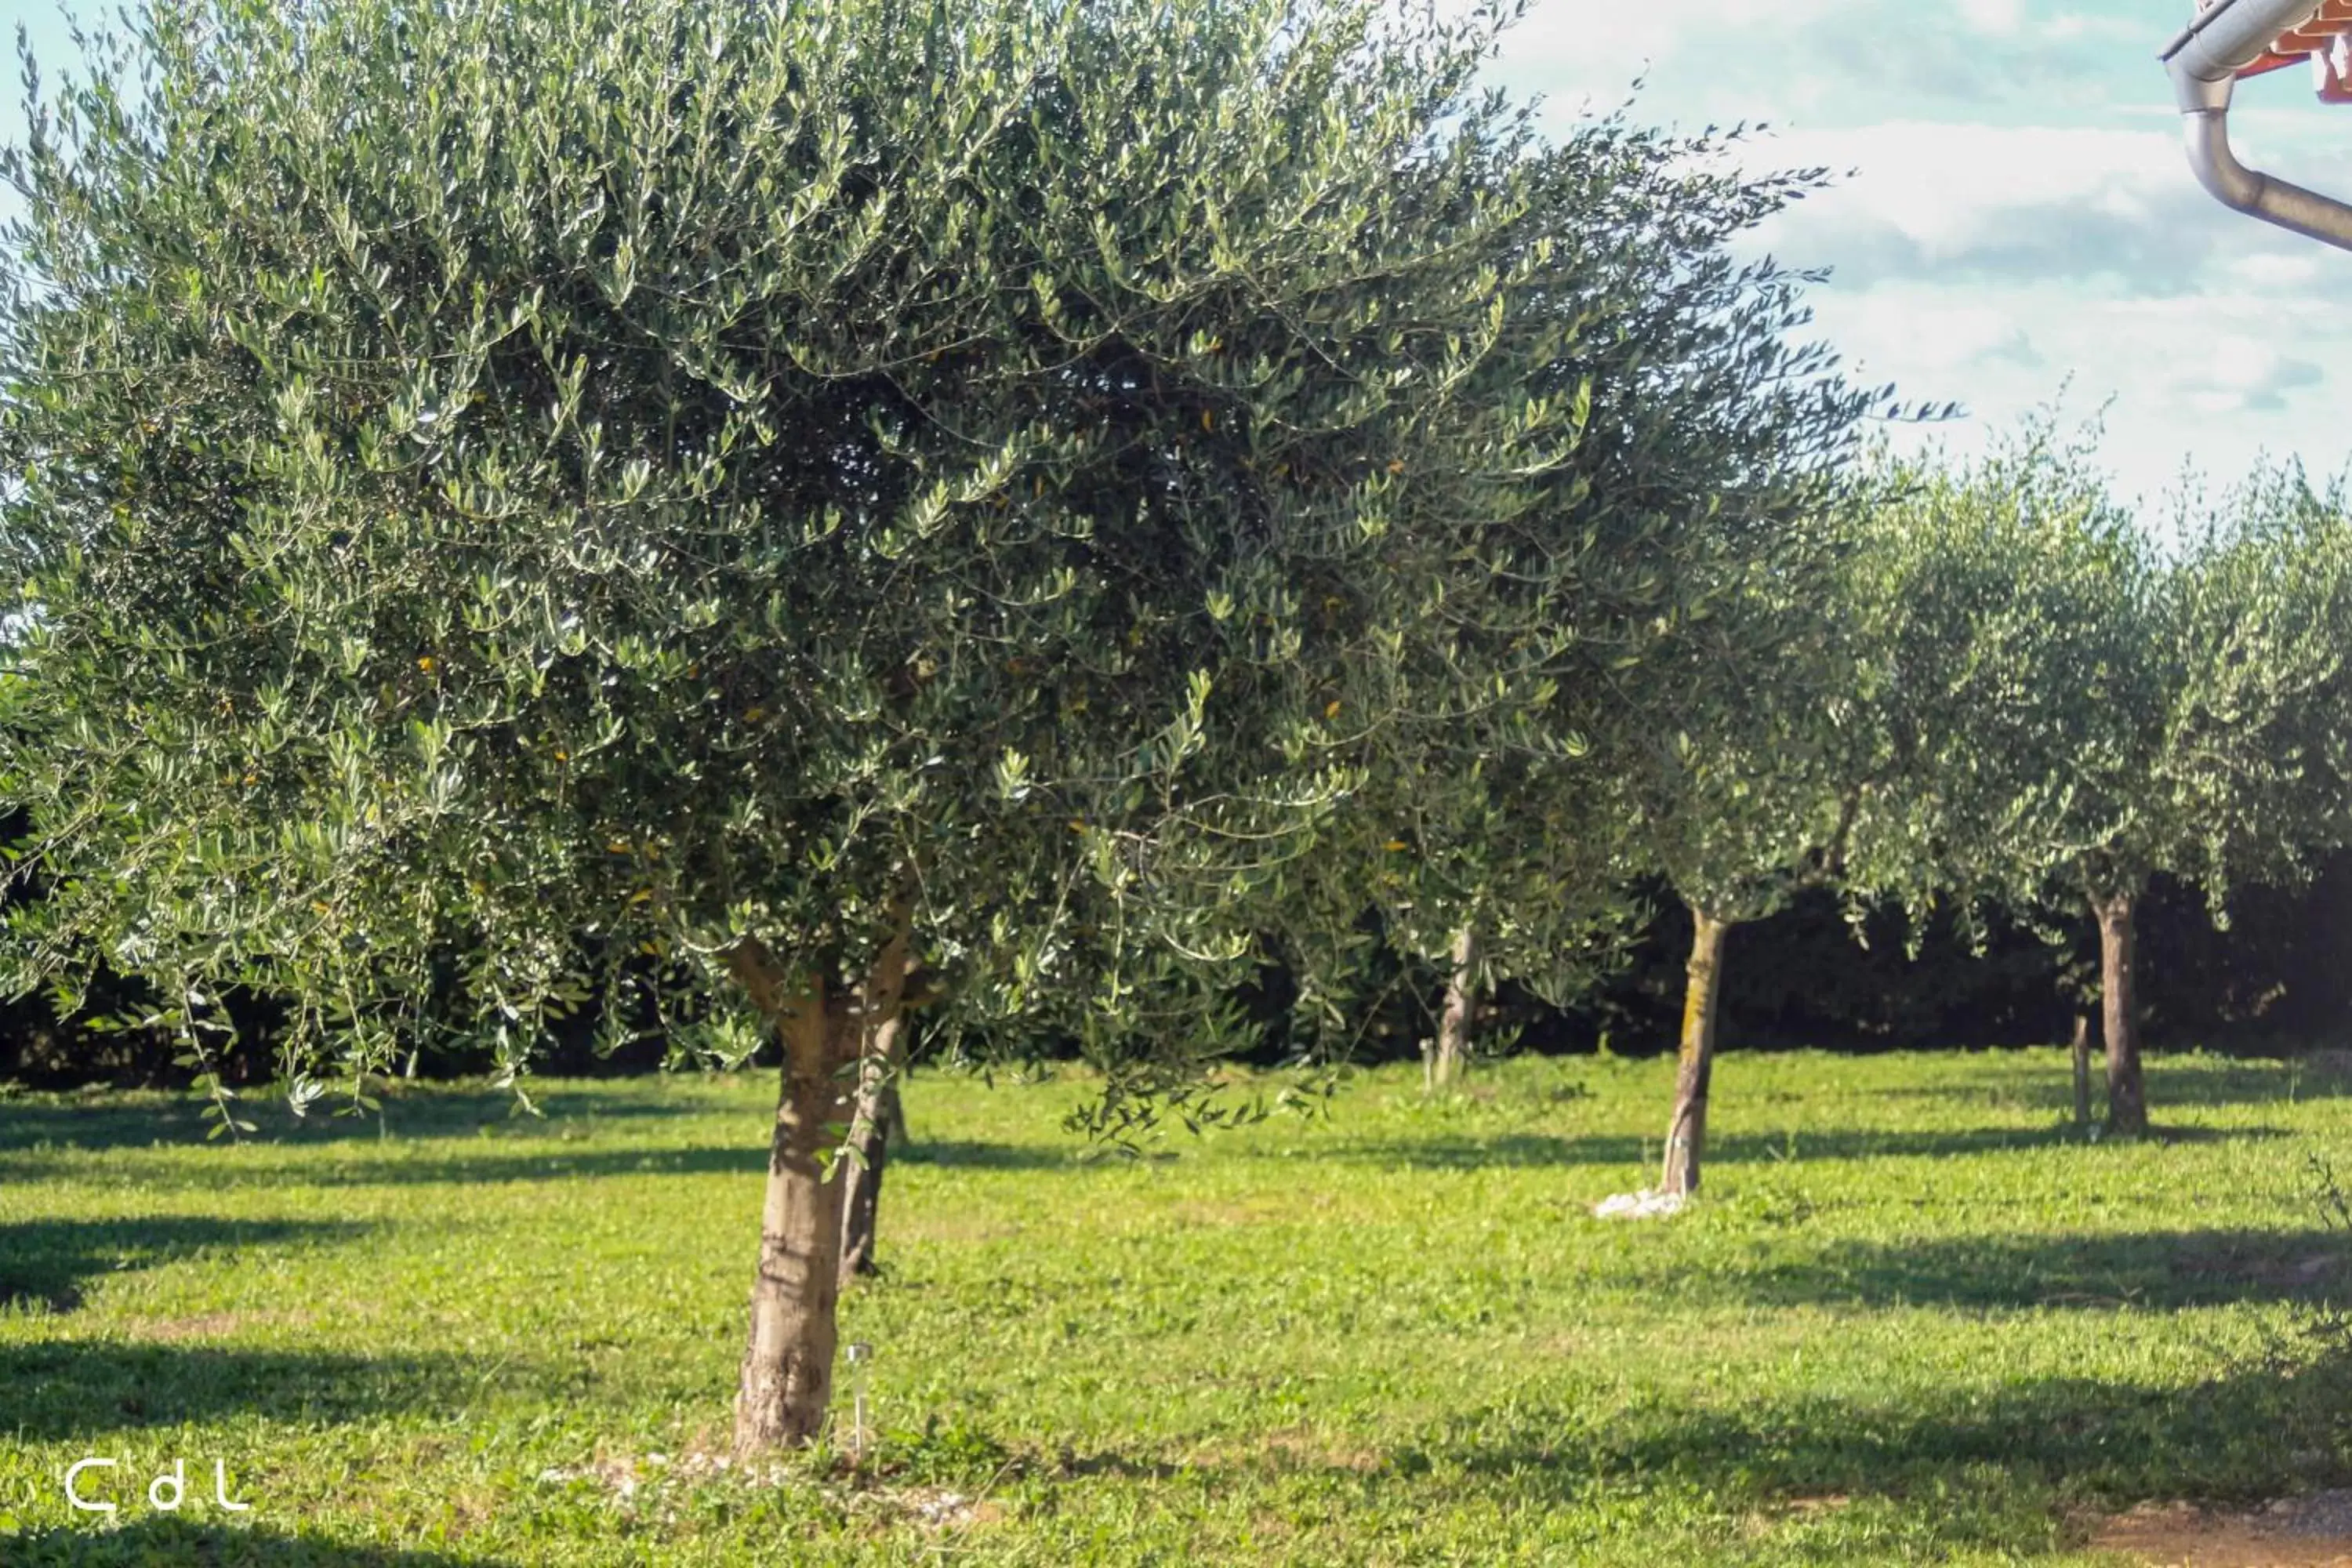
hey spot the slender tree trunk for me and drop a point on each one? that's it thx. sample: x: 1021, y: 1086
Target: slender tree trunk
x: 1461, y: 1003
x: 2119, y: 1013
x: 2081, y: 1070
x: 876, y: 1123
x: 787, y: 1375
x: 1702, y: 988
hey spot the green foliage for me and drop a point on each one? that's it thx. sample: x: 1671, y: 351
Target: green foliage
x: 2080, y: 709
x: 1711, y: 440
x: 2007, y: 605
x: 1755, y: 757
x: 1917, y: 1320
x: 2259, y: 752
x: 497, y: 476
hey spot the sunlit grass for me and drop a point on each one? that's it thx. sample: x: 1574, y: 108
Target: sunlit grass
x: 1914, y: 1317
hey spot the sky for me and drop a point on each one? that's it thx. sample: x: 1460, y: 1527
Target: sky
x: 2014, y: 217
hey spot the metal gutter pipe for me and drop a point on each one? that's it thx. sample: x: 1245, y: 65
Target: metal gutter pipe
x: 2204, y: 62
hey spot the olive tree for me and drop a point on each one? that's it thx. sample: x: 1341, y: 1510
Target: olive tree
x: 1852, y: 756
x: 2244, y: 775
x: 790, y: 495
x: 1746, y: 789
x: 2092, y: 711
x: 1479, y: 828
x: 1712, y: 438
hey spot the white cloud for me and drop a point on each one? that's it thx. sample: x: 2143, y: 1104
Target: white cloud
x: 1749, y: 59
x: 2019, y: 213
x: 2115, y: 209
x: 2281, y: 271
x: 2217, y: 379
x: 2241, y: 374
x: 1559, y: 31
x: 2069, y: 25
x: 1938, y: 182
x: 2001, y: 16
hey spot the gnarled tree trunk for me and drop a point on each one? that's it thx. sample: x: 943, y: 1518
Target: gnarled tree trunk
x: 787, y: 1375
x: 2119, y: 1013
x: 1461, y: 1006
x: 875, y: 1124
x: 1702, y: 988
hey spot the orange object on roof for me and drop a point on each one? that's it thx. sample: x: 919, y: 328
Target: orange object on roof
x: 2326, y: 40
x: 2332, y: 66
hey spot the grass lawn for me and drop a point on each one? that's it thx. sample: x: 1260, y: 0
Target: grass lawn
x: 1911, y: 1320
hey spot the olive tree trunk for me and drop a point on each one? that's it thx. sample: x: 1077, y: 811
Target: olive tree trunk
x: 787, y: 1375
x: 1461, y: 1005
x: 1702, y: 988
x: 2119, y: 1013
x: 875, y: 1124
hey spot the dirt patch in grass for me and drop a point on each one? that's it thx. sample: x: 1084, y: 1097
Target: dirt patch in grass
x: 2294, y: 1271
x: 214, y: 1325
x: 647, y: 1483
x: 1289, y: 1447
x: 468, y: 1511
x: 1210, y: 1214
x: 2310, y: 1531
x: 957, y: 1230
x: 1764, y: 1521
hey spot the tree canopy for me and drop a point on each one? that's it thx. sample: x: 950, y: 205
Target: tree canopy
x: 499, y: 472
x: 2085, y: 709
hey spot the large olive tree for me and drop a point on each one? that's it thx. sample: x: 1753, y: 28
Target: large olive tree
x: 787, y: 495
x: 1480, y: 831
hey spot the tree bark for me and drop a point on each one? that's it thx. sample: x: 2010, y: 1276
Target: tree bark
x: 1702, y: 988
x: 1461, y: 1005
x: 2119, y: 1013
x: 787, y: 1374
x: 875, y: 1124
x: 2081, y: 1070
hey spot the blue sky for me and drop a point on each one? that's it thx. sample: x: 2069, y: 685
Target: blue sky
x: 2018, y: 210
x: 2018, y: 214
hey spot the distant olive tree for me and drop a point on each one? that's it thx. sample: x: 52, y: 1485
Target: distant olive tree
x: 1712, y: 438
x: 1482, y: 830
x: 2092, y: 711
x: 1746, y: 785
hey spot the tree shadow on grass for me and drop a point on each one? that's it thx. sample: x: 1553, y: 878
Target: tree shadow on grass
x: 48, y: 1262
x: 63, y: 1122
x: 552, y: 1159
x: 2202, y: 1082
x: 971, y: 1155
x: 58, y: 1389
x: 145, y: 1542
x: 1991, y: 1467
x: 2154, y: 1269
x: 2246, y: 1434
x: 532, y: 1157
x: 1462, y: 1151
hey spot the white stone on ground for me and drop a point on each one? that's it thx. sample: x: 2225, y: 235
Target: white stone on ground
x: 1643, y: 1205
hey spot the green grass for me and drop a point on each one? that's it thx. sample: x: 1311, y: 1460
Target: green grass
x: 1912, y: 1320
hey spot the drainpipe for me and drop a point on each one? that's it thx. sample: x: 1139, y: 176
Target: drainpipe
x: 2204, y: 62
